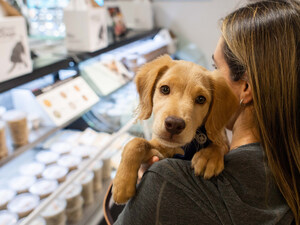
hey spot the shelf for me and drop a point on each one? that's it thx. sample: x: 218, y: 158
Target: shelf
x: 58, y: 61
x: 36, y: 137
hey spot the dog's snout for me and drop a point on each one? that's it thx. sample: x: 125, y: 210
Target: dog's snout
x: 174, y: 125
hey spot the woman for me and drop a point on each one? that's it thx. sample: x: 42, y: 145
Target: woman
x: 258, y: 54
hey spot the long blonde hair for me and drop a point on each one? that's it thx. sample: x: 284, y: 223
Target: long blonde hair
x: 262, y: 41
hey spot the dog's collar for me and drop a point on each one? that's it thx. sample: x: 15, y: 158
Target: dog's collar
x: 200, y: 141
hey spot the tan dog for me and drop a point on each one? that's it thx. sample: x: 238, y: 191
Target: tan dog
x: 183, y: 96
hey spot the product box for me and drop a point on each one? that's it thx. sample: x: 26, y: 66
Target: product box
x: 15, y: 54
x: 86, y: 30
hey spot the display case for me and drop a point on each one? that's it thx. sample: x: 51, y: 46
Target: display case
x: 104, y: 125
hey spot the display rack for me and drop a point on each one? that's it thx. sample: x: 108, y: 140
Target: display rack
x: 51, y: 65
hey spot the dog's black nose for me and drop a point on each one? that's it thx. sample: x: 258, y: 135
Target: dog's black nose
x: 174, y: 125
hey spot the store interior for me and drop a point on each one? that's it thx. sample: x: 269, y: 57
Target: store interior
x: 67, y: 96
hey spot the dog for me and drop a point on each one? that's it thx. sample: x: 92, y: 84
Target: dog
x: 182, y: 96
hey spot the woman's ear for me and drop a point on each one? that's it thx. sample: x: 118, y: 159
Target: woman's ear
x: 146, y: 79
x: 224, y: 104
x: 246, y: 96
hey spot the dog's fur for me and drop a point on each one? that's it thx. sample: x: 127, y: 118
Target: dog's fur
x: 186, y: 81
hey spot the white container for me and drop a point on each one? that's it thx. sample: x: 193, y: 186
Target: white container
x: 86, y: 30
x: 5, y: 196
x: 54, y: 214
x: 23, y: 204
x: 8, y: 218
x: 75, y: 214
x: 55, y: 172
x: 70, y: 161
x: 36, y: 221
x: 61, y: 147
x: 32, y: 169
x: 43, y: 188
x: 47, y: 157
x: 83, y: 151
x: 86, y: 180
x: 97, y: 168
x: 21, y: 184
x: 72, y: 195
x: 15, y: 54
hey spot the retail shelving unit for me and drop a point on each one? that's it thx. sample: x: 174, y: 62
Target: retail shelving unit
x: 43, y: 67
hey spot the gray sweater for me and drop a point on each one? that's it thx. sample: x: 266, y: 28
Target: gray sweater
x: 244, y: 193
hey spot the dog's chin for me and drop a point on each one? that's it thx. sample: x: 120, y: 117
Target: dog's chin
x: 168, y: 141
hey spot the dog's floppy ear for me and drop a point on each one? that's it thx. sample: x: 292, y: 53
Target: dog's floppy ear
x: 146, y: 79
x: 224, y: 105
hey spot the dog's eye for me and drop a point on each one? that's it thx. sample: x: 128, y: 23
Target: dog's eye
x: 200, y: 99
x: 165, y: 89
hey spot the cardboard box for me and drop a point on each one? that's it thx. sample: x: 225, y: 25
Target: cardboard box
x: 15, y: 53
x: 86, y: 30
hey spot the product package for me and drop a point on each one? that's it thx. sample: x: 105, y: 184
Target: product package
x: 15, y: 54
x: 86, y: 28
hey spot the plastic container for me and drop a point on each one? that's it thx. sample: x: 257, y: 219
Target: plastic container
x: 72, y: 195
x: 32, y: 169
x: 23, y: 204
x: 70, y: 161
x: 75, y: 214
x: 43, y: 188
x: 47, y: 157
x: 54, y: 214
x: 17, y: 124
x: 6, y: 195
x: 86, y: 180
x: 8, y: 218
x: 106, y: 168
x: 97, y: 168
x: 21, y: 184
x: 61, y: 147
x: 3, y: 146
x: 55, y: 172
x: 37, y: 221
x: 82, y: 151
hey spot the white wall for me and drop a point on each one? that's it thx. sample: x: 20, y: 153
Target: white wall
x: 196, y: 21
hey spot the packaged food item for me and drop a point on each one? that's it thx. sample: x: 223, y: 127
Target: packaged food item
x: 32, y: 169
x: 54, y: 214
x: 55, y: 172
x: 47, y: 157
x: 70, y: 161
x: 8, y: 218
x: 5, y: 196
x: 75, y: 214
x: 72, y: 195
x: 86, y: 180
x: 43, y: 188
x: 37, y: 221
x: 61, y: 147
x: 21, y: 184
x: 23, y: 204
x: 17, y: 123
x: 106, y: 167
x: 97, y: 168
x: 3, y: 146
x: 83, y: 151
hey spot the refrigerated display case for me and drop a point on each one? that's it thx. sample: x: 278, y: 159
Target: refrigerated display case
x: 104, y: 127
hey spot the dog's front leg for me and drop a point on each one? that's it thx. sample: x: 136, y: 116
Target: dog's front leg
x: 136, y: 152
x: 209, y: 161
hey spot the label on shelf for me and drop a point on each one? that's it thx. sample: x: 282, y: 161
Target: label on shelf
x: 66, y: 100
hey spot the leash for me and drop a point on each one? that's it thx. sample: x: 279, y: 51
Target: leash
x: 107, y: 215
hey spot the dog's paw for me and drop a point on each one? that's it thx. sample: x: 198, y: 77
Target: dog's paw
x: 123, y: 189
x: 208, y: 162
